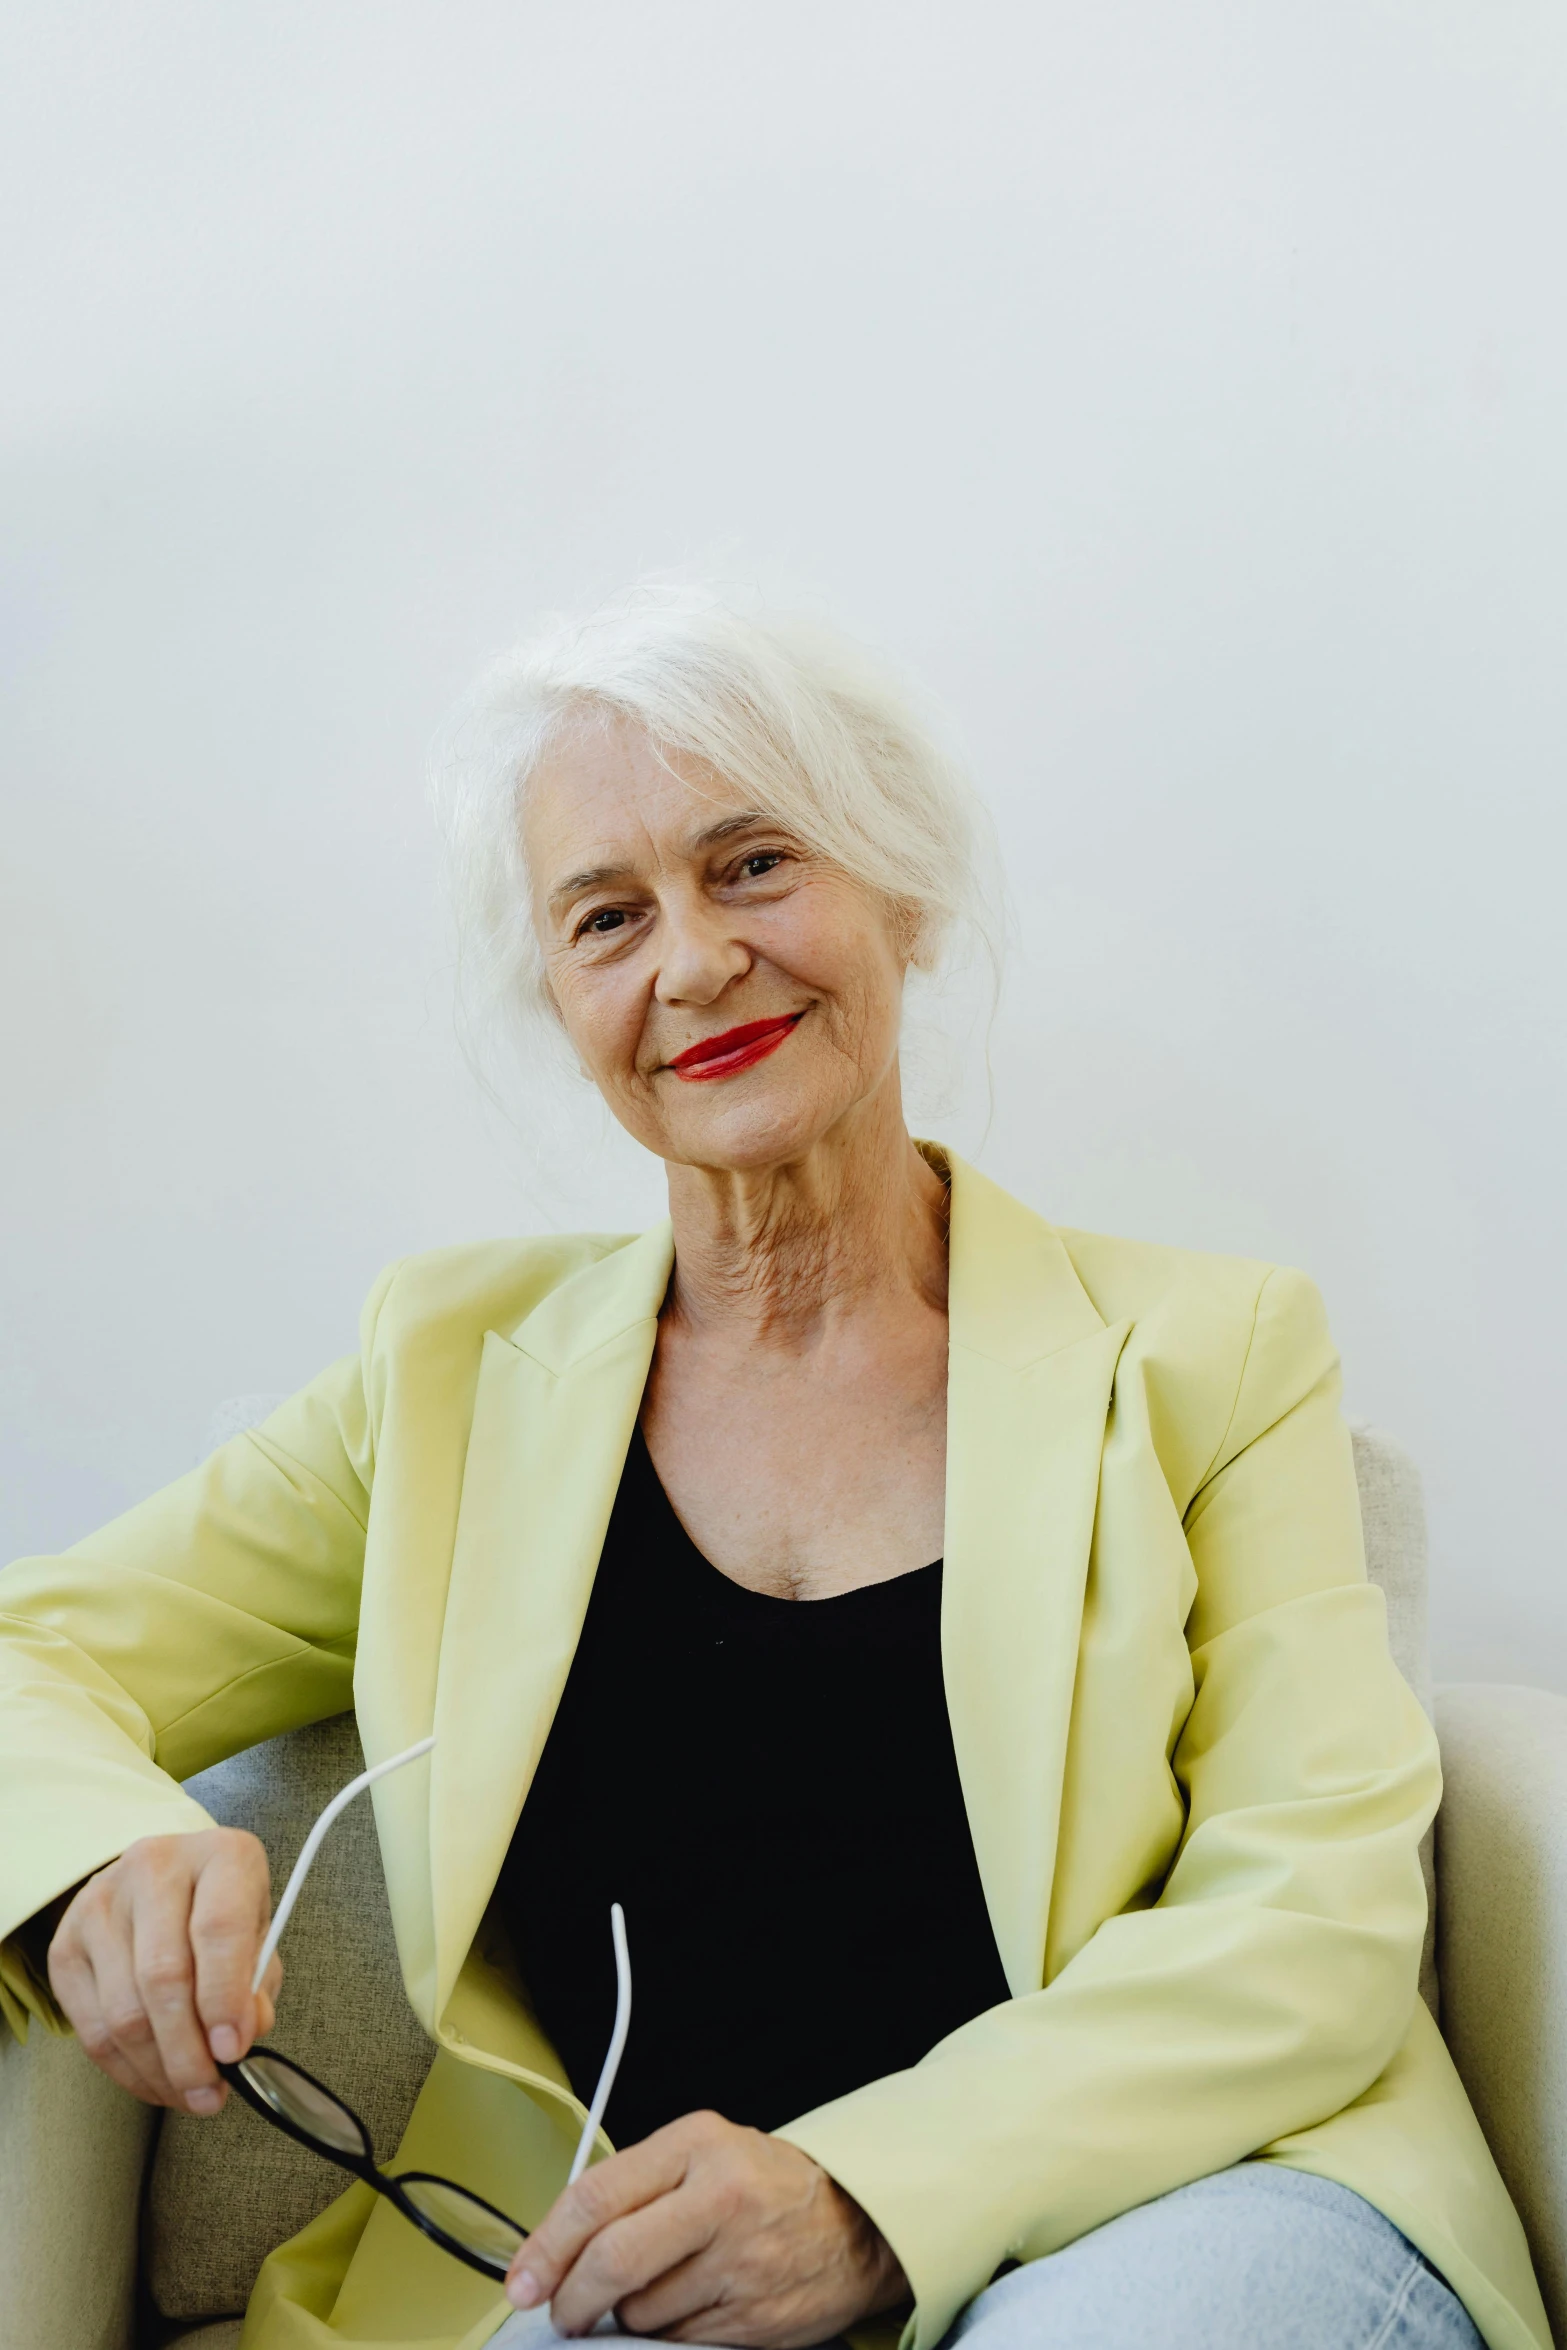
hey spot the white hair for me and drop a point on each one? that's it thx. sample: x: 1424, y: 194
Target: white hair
x: 814, y: 731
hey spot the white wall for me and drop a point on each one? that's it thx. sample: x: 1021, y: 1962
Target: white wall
x: 1180, y: 390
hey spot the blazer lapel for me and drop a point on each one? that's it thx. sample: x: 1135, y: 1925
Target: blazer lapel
x: 1031, y: 1371
x: 556, y: 1404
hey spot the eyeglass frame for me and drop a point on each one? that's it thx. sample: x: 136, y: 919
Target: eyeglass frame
x: 391, y: 2184
x: 365, y: 2167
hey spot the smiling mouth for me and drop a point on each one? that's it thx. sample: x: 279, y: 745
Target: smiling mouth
x: 734, y: 1049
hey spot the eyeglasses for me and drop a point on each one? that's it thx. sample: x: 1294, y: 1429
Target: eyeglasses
x: 295, y: 2102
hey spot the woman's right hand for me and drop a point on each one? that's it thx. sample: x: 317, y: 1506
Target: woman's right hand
x: 152, y: 1964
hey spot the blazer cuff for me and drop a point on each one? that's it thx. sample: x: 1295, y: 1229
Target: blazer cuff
x: 943, y: 2276
x: 25, y: 1992
x: 25, y: 1996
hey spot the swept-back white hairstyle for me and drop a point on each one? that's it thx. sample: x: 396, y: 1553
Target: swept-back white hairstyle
x: 813, y: 731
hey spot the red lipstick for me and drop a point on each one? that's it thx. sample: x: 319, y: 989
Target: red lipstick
x: 733, y: 1049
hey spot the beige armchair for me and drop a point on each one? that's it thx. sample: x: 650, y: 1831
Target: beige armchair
x: 125, y: 2230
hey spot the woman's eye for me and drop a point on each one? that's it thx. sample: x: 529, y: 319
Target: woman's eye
x: 763, y: 862
x: 607, y: 918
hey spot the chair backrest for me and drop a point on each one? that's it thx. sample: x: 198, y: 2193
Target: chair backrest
x: 1393, y: 1519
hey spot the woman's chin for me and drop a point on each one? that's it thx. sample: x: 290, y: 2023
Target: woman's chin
x: 747, y: 1137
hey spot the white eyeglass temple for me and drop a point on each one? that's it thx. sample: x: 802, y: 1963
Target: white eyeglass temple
x: 313, y: 1843
x: 617, y: 2044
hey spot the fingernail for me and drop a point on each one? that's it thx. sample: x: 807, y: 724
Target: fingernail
x: 203, y: 2100
x: 224, y: 2043
x: 524, y: 2290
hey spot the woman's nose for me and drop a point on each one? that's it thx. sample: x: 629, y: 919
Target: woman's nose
x: 700, y: 957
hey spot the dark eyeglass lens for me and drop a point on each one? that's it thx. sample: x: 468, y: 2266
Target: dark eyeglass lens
x: 468, y: 2222
x: 299, y: 2101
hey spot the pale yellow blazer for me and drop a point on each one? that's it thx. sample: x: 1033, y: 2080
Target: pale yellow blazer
x: 1195, y: 1781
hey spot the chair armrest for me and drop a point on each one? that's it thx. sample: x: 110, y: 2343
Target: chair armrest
x: 1501, y: 1863
x: 73, y: 2148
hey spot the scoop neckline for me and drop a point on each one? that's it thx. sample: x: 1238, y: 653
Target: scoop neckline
x: 744, y: 1591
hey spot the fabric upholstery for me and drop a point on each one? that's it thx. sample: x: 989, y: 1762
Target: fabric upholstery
x: 1502, y: 1854
x: 224, y: 2191
x: 1393, y: 1524
x: 72, y: 2150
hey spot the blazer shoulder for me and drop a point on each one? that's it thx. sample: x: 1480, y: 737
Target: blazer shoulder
x: 1220, y: 1347
x: 1131, y: 1280
x: 1227, y: 1344
x: 476, y: 1285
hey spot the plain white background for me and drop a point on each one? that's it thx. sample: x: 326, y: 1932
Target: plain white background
x: 1179, y: 391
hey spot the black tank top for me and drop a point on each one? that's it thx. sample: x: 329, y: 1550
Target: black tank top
x: 769, y: 1788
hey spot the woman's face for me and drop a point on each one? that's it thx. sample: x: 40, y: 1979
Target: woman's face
x: 731, y: 994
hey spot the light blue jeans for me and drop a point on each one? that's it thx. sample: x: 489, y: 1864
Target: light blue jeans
x: 1255, y: 2258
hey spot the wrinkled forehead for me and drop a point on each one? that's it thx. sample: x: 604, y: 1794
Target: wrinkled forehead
x: 605, y: 797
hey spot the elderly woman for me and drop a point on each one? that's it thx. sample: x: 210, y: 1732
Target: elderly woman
x: 947, y: 1635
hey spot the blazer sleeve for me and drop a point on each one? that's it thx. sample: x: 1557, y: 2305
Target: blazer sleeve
x: 1274, y: 1977
x: 218, y: 1613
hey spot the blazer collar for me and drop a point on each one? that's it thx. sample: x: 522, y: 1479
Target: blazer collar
x: 1013, y: 1293
x: 619, y: 1291
x: 1031, y: 1368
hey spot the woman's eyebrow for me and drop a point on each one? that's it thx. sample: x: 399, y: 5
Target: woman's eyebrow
x: 589, y: 878
x: 747, y: 821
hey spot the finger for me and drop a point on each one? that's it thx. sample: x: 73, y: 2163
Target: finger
x: 123, y: 2012
x: 75, y: 1986
x: 601, y: 2196
x: 677, y: 2305
x: 266, y: 1999
x: 657, y: 2247
x: 228, y: 1923
x: 100, y: 2045
x: 717, y: 2322
x: 165, y: 1971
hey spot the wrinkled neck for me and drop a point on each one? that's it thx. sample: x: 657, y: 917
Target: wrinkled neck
x: 773, y: 1256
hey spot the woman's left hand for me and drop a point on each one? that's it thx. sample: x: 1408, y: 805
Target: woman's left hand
x: 706, y: 2232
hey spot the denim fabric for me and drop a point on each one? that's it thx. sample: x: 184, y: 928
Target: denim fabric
x: 1255, y: 2258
